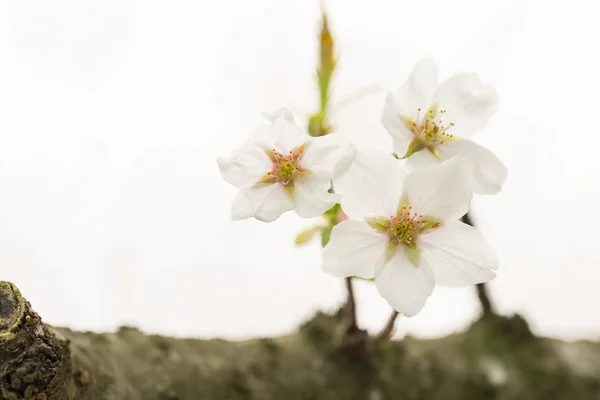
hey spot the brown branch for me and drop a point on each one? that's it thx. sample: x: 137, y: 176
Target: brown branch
x: 387, y: 331
x: 353, y: 339
x: 39, y: 362
x: 482, y: 289
x: 350, y: 324
x: 484, y: 299
x: 34, y: 363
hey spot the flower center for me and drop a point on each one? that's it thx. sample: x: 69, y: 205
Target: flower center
x: 432, y: 131
x: 285, y: 168
x: 429, y: 130
x: 404, y: 227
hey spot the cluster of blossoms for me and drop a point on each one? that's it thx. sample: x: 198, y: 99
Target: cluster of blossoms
x: 403, y: 229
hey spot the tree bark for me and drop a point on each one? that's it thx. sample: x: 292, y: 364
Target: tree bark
x: 496, y: 358
x: 33, y: 361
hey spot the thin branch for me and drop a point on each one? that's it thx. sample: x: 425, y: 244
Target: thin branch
x: 350, y: 324
x: 387, y: 331
x: 482, y: 289
x: 484, y: 299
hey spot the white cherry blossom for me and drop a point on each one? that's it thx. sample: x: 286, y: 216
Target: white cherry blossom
x: 428, y: 123
x: 280, y: 169
x: 403, y: 230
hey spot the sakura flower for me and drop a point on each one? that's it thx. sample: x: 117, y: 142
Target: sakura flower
x: 281, y: 169
x: 347, y: 148
x: 423, y: 118
x: 403, y: 231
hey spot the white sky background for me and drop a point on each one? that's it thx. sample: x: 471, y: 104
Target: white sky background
x: 112, y: 113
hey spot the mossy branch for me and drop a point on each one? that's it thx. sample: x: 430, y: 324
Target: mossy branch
x: 34, y: 363
x: 496, y: 358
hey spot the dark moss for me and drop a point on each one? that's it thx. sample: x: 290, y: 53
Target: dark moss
x: 320, y: 330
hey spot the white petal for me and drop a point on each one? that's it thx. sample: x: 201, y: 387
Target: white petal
x: 248, y: 164
x: 354, y: 249
x: 392, y: 121
x: 274, y: 115
x: 311, y: 195
x: 469, y: 104
x: 421, y: 159
x: 286, y: 136
x: 330, y: 154
x: 418, y: 91
x: 371, y: 186
x: 458, y: 255
x: 405, y: 286
x: 349, y: 152
x: 487, y: 173
x: 442, y: 191
x: 265, y: 202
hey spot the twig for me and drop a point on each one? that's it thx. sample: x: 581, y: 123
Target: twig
x: 482, y: 289
x: 387, y: 331
x: 484, y: 299
x: 350, y: 324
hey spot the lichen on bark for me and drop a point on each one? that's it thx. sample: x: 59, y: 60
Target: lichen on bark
x: 33, y: 360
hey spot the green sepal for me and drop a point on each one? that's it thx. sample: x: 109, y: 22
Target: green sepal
x: 326, y: 235
x: 390, y: 249
x: 268, y: 178
x: 414, y: 146
x: 380, y: 224
x: 331, y: 214
x: 307, y: 235
x: 289, y: 188
x: 414, y: 255
x: 403, y: 202
x: 429, y: 224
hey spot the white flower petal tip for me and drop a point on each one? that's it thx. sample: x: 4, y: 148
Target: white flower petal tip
x: 224, y: 165
x: 422, y: 120
x: 348, y: 150
x: 468, y: 103
x: 280, y: 169
x: 458, y: 255
x: 272, y: 116
x: 391, y: 119
x: 246, y: 165
x: 264, y: 202
x: 484, y: 170
x: 311, y: 195
x: 330, y: 154
x: 405, y: 286
x: 441, y: 192
x: 419, y: 89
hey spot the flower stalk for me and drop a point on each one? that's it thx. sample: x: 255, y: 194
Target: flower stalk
x: 482, y: 289
x: 319, y: 125
x: 387, y: 331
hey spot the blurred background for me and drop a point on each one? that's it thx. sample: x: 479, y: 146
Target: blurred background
x: 112, y: 113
